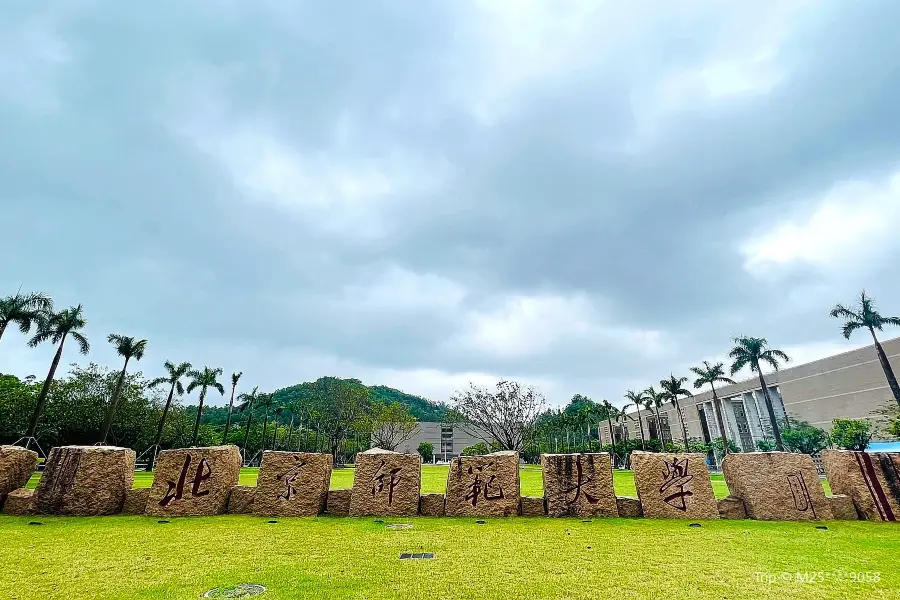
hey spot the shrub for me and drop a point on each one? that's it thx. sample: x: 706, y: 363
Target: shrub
x: 718, y: 447
x: 800, y: 436
x: 479, y: 449
x: 765, y: 445
x: 851, y: 434
x: 426, y: 451
x: 894, y: 428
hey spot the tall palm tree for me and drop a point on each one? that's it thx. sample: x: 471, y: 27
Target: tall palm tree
x: 713, y: 374
x: 750, y: 352
x: 129, y: 348
x: 637, y: 400
x: 864, y: 315
x: 655, y: 400
x: 56, y: 328
x: 175, y: 373
x: 611, y: 413
x: 248, y: 402
x: 235, y: 377
x: 673, y: 388
x: 207, y: 378
x: 265, y: 401
x: 24, y: 310
x: 278, y: 411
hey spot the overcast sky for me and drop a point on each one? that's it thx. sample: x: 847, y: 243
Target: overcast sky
x: 580, y: 195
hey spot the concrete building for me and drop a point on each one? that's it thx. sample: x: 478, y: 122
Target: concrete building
x: 447, y: 441
x: 851, y: 384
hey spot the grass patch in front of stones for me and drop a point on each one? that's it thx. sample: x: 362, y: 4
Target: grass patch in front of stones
x: 417, y: 555
x: 398, y: 526
x: 241, y: 590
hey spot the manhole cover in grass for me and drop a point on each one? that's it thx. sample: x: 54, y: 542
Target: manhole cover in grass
x: 241, y: 590
x: 821, y: 527
x: 479, y: 522
x: 35, y: 523
x: 695, y: 525
x: 163, y: 522
x: 399, y: 526
x: 418, y: 555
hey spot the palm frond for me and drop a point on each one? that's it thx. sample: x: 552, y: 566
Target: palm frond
x: 158, y: 382
x: 849, y: 327
x: 83, y: 345
x: 219, y: 387
x: 179, y: 387
x: 842, y: 312
x: 192, y: 386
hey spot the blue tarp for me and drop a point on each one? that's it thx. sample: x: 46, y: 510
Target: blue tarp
x: 884, y: 447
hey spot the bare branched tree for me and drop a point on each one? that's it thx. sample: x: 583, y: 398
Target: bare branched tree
x: 391, y: 425
x: 505, y: 416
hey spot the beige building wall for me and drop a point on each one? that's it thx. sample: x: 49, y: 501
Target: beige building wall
x: 447, y: 441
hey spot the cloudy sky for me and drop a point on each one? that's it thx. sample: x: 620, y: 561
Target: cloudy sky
x: 582, y: 195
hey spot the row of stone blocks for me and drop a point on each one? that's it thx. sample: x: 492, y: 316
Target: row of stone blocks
x: 97, y: 480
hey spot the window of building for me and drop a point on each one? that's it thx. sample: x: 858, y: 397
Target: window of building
x: 446, y: 440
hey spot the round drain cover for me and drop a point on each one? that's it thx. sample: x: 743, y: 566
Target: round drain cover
x: 241, y: 590
x: 399, y: 526
x: 695, y: 525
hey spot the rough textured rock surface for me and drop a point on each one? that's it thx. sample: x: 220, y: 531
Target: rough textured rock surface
x: 431, y: 505
x: 674, y: 486
x: 872, y: 480
x: 386, y: 484
x: 483, y: 486
x: 533, y: 506
x: 776, y: 486
x: 732, y: 508
x: 241, y: 500
x: 629, y: 507
x: 85, y: 480
x: 842, y: 508
x: 292, y: 484
x: 338, y: 503
x: 579, y: 485
x: 20, y: 502
x: 194, y: 481
x: 135, y: 501
x: 16, y: 467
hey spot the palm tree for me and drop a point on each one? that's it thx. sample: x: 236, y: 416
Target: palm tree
x: 751, y: 351
x: 235, y: 377
x: 203, y: 379
x: 672, y: 388
x: 175, y: 373
x: 265, y: 401
x: 712, y: 374
x: 128, y: 348
x: 247, y: 403
x: 655, y: 400
x: 24, y: 310
x: 278, y: 411
x: 611, y: 413
x: 56, y: 328
x: 637, y: 399
x: 862, y: 316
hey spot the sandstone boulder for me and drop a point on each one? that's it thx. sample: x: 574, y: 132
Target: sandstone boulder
x: 85, y: 480
x: 292, y: 484
x: 776, y: 486
x: 386, y: 484
x: 431, y: 505
x: 674, y: 486
x: 338, y: 503
x: 842, y: 508
x: 135, y: 501
x: 241, y: 500
x: 629, y: 507
x: 533, y: 506
x: 872, y: 480
x: 20, y: 502
x: 483, y: 486
x: 732, y: 508
x: 16, y: 467
x: 579, y: 485
x: 194, y: 481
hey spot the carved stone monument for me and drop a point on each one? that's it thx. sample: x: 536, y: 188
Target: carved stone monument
x: 483, y: 486
x: 674, y: 486
x: 292, y: 484
x: 194, y: 481
x: 431, y: 505
x: 842, y: 508
x: 85, y: 480
x: 16, y: 467
x: 872, y: 480
x: 776, y: 486
x: 386, y: 484
x: 579, y: 485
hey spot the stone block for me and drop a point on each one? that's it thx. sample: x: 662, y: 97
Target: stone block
x: 533, y: 506
x: 776, y: 486
x: 579, y: 485
x: 16, y: 467
x: 431, y: 505
x: 483, y: 486
x: 85, y: 480
x: 732, y: 508
x: 872, y: 480
x: 629, y: 507
x: 842, y: 508
x: 194, y: 481
x: 20, y: 502
x: 292, y: 484
x: 338, y: 503
x: 135, y: 501
x: 241, y: 500
x: 674, y: 486
x: 386, y: 484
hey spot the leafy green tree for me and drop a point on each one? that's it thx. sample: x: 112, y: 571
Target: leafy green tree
x: 426, y: 451
x: 128, y: 348
x: 765, y: 445
x: 17, y: 399
x: 711, y: 375
x: 800, y: 436
x: 478, y: 449
x: 56, y: 328
x: 205, y: 379
x: 174, y: 373
x: 248, y: 403
x: 24, y: 310
x: 851, y: 434
x: 637, y: 399
x: 673, y: 387
x: 235, y: 377
x: 506, y: 414
x: 865, y: 316
x: 718, y: 446
x: 391, y: 425
x: 751, y: 352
